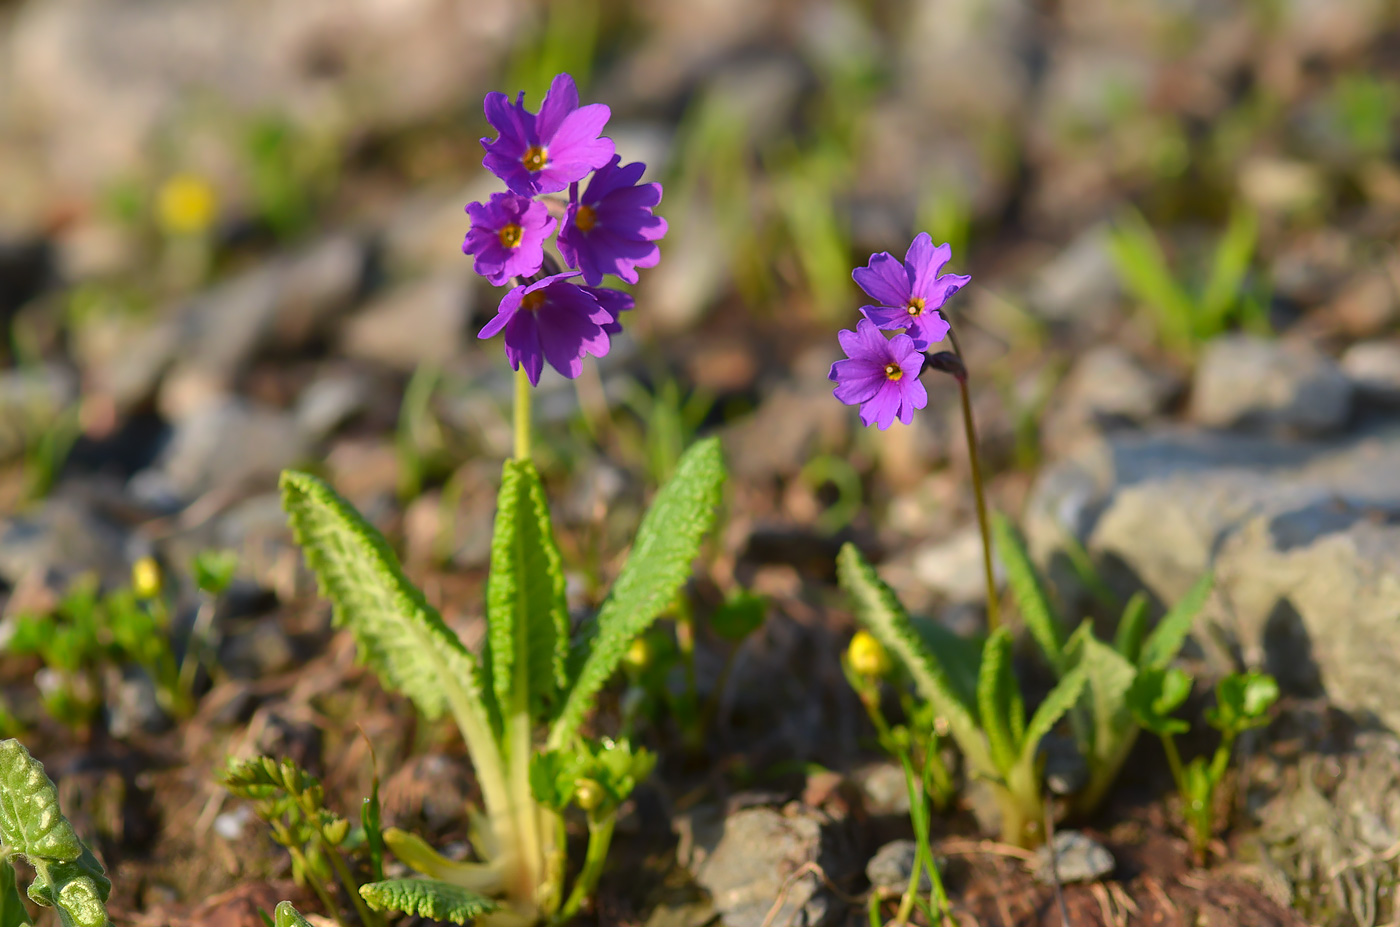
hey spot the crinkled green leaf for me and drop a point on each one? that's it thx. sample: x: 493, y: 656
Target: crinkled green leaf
x: 288, y: 916
x: 998, y: 700
x: 959, y: 656
x: 399, y: 633
x: 1060, y: 700
x: 740, y: 615
x: 77, y: 889
x: 525, y: 608
x: 1164, y: 643
x: 1109, y: 676
x: 30, y: 820
x: 1029, y: 590
x: 667, y: 544
x: 437, y: 901
x: 879, y: 610
x: 13, y: 913
x: 1132, y: 628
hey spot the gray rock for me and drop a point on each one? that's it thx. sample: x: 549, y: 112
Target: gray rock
x: 1078, y: 858
x: 30, y: 400
x: 883, y: 789
x: 1374, y: 369
x: 63, y: 535
x: 256, y: 651
x: 134, y: 708
x: 224, y: 443
x: 1260, y: 384
x: 745, y: 860
x: 416, y: 323
x: 330, y: 401
x: 952, y: 567
x: 892, y: 865
x: 1080, y: 282
x: 1107, y: 387
x: 1303, y: 539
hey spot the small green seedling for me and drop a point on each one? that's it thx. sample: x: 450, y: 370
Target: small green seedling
x: 1186, y: 318
x: 293, y: 804
x: 67, y: 876
x: 533, y: 677
x: 1104, y: 727
x: 984, y: 712
x: 1242, y: 702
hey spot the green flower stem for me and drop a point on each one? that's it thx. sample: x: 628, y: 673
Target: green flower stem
x: 352, y: 888
x: 1221, y: 760
x: 1174, y: 762
x: 522, y: 414
x: 978, y: 490
x: 600, y: 832
x: 317, y: 885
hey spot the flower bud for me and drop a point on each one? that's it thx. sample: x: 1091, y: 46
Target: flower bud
x: 186, y: 205
x: 588, y: 793
x: 336, y: 831
x: 145, y: 578
x: 638, y: 657
x: 867, y: 656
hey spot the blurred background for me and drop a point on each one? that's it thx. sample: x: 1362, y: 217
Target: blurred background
x: 230, y: 243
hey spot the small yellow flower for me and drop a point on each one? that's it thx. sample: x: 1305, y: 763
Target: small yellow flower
x: 867, y: 656
x: 186, y: 205
x: 638, y: 657
x: 145, y: 578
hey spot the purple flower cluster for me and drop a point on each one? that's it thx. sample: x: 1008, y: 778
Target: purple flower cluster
x: 610, y: 229
x: 882, y: 376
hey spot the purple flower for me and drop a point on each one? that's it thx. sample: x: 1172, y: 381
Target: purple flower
x: 882, y: 377
x: 611, y: 229
x: 507, y: 236
x: 908, y: 295
x: 545, y: 152
x: 551, y: 320
x: 614, y: 303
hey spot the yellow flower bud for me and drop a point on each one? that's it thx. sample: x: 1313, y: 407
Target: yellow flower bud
x: 186, y: 205
x: 145, y: 578
x: 867, y: 656
x: 638, y: 657
x: 588, y: 794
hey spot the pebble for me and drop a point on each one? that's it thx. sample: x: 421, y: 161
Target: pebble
x: 1078, y: 858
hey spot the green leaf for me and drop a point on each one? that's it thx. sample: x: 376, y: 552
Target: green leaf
x: 1031, y: 598
x: 414, y: 852
x: 1242, y: 701
x: 13, y: 913
x: 1154, y: 695
x: 958, y: 656
x: 1143, y: 270
x: 667, y: 544
x: 398, y: 632
x: 740, y: 615
x: 1164, y: 643
x: 1231, y: 263
x: 996, y: 704
x: 288, y: 916
x: 879, y: 610
x: 436, y: 901
x: 371, y: 821
x: 77, y: 889
x: 525, y: 608
x: 1060, y: 700
x: 214, y: 569
x: 1108, y: 677
x: 1132, y: 628
x: 30, y: 820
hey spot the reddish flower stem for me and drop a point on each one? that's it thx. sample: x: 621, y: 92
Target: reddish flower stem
x: 974, y: 458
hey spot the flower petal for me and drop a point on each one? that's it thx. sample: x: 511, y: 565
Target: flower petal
x: 923, y: 261
x: 884, y: 279
x: 559, y: 101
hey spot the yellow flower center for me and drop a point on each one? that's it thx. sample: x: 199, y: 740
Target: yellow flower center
x: 511, y: 236
x: 893, y: 372
x: 585, y: 218
x: 536, y: 157
x: 532, y: 301
x: 915, y: 307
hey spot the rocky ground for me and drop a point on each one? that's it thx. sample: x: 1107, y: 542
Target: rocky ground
x: 156, y: 378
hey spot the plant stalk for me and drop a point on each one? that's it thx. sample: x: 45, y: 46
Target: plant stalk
x: 523, y: 396
x: 978, y: 490
x: 600, y: 834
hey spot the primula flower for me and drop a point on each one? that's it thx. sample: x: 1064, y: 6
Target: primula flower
x: 909, y: 294
x: 882, y: 377
x: 614, y: 303
x: 611, y: 229
x: 507, y: 236
x: 544, y: 152
x: 553, y: 320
